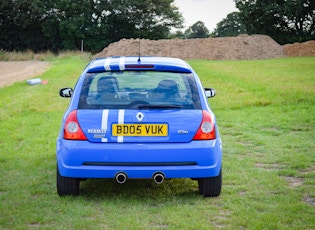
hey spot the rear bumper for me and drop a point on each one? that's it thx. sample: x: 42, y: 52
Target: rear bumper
x: 82, y: 159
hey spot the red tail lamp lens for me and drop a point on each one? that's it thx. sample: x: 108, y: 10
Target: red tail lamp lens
x: 72, y: 129
x: 206, y: 130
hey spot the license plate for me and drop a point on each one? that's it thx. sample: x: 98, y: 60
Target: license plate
x: 149, y: 130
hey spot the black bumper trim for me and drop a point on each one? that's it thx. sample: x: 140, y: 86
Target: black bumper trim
x: 139, y: 163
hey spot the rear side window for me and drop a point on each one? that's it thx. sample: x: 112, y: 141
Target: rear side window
x: 135, y: 89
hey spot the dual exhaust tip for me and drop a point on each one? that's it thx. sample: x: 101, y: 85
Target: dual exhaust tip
x: 121, y: 178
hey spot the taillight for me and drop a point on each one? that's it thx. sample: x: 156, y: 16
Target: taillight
x: 72, y: 129
x: 206, y: 129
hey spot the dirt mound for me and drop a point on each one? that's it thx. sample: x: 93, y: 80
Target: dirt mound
x: 300, y: 49
x: 243, y: 47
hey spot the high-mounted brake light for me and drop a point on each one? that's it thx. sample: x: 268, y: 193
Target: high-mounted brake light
x: 72, y: 129
x: 206, y: 129
x: 139, y: 66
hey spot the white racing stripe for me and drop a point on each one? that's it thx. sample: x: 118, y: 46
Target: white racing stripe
x: 121, y: 119
x: 122, y: 63
x: 104, y: 122
x: 107, y: 64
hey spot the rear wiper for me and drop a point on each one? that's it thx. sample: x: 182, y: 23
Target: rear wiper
x: 150, y: 106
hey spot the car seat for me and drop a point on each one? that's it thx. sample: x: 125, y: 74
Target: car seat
x: 167, y: 91
x: 107, y: 89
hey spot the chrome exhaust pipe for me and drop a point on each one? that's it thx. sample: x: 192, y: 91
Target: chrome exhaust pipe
x: 158, y: 178
x: 121, y: 178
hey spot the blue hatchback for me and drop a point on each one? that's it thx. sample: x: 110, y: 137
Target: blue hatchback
x: 132, y: 118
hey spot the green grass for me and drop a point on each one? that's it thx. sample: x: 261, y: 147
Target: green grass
x: 265, y: 110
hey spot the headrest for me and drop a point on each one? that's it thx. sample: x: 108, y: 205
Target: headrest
x: 167, y: 84
x: 107, y: 84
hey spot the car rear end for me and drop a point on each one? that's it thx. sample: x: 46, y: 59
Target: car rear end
x: 131, y: 119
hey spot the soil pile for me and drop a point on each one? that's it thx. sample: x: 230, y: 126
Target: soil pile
x: 242, y: 47
x: 300, y: 49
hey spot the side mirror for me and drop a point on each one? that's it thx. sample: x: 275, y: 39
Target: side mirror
x: 66, y: 92
x: 209, y: 92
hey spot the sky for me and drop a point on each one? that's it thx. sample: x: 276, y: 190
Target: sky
x: 208, y: 11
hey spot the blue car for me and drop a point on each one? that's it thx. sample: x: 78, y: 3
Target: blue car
x: 139, y: 118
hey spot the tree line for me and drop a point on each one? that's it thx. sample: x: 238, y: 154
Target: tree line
x: 62, y: 24
x: 286, y: 21
x: 56, y: 25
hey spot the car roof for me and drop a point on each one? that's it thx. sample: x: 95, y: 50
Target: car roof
x: 122, y: 63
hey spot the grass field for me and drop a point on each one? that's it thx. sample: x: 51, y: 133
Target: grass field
x: 265, y: 110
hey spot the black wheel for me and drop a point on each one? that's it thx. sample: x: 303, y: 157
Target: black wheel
x: 210, y: 186
x: 67, y: 186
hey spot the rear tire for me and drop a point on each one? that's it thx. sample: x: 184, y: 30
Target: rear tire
x: 210, y: 186
x: 67, y: 186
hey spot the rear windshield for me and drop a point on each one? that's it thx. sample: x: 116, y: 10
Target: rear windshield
x: 139, y: 90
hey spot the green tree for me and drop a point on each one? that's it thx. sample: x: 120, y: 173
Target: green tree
x: 230, y: 26
x: 176, y: 34
x: 286, y: 21
x: 62, y: 24
x: 197, y: 30
x: 148, y: 18
x: 20, y: 25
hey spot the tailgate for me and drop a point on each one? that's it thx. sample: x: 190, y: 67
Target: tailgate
x: 139, y: 126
